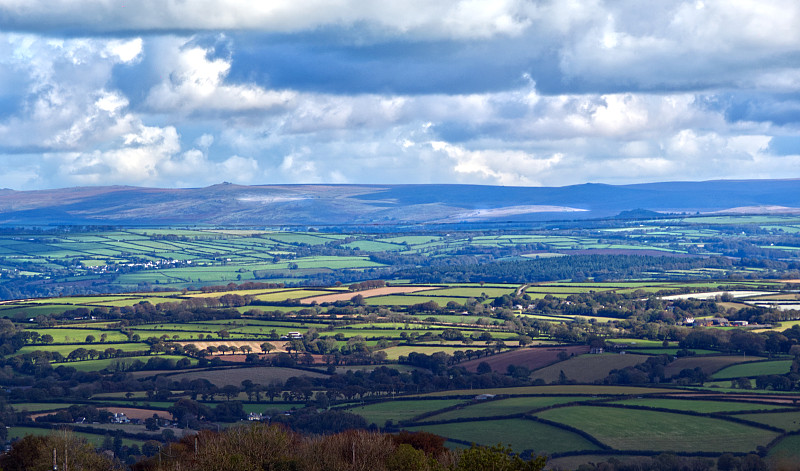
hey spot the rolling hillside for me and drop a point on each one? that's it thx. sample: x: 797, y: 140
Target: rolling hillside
x: 387, y: 204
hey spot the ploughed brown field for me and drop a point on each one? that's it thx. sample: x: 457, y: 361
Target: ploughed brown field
x: 141, y: 414
x: 532, y: 358
x: 280, y: 345
x: 367, y: 293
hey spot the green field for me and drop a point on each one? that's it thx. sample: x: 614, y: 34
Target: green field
x: 40, y: 406
x: 111, y: 363
x: 789, y: 421
x: 398, y: 411
x: 235, y: 376
x: 709, y: 364
x: 701, y: 405
x: 472, y: 292
x: 579, y: 389
x: 511, y: 406
x: 786, y: 453
x: 66, y: 349
x: 393, y: 353
x: 94, y: 438
x: 520, y: 434
x: 777, y: 367
x: 628, y: 429
x: 67, y: 335
x: 587, y: 368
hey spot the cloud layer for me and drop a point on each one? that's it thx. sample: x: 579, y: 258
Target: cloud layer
x: 175, y: 93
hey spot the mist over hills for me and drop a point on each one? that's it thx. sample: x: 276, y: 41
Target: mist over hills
x: 229, y: 204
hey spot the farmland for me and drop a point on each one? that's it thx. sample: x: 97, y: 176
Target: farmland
x: 401, y: 332
x: 626, y: 429
x: 543, y: 382
x: 37, y: 263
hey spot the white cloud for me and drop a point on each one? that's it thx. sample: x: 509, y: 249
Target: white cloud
x: 445, y: 18
x: 114, y: 109
x: 683, y: 43
x: 136, y: 160
x: 193, y: 82
x: 124, y: 51
x: 497, y: 166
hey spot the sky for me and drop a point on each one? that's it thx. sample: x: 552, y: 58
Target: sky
x: 176, y: 93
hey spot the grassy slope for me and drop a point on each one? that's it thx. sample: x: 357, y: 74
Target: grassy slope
x: 628, y: 429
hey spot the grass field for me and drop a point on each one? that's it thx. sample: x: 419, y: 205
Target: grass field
x: 66, y: 349
x: 789, y: 421
x: 700, y: 405
x: 111, y: 363
x: 578, y: 389
x: 587, y: 368
x: 393, y: 353
x: 786, y: 453
x: 628, y: 429
x: 397, y: 411
x: 777, y: 367
x: 471, y: 292
x: 67, y: 335
x: 520, y: 434
x: 40, y: 406
x: 511, y: 406
x: 95, y: 439
x: 670, y: 351
x: 709, y: 365
x: 258, y: 375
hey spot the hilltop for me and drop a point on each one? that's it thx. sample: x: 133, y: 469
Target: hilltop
x: 231, y: 204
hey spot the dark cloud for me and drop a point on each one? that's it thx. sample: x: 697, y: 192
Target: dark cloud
x: 320, y: 62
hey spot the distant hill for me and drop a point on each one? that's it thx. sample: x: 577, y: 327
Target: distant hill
x: 230, y: 204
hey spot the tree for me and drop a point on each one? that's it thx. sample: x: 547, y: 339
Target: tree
x: 78, y: 354
x: 484, y: 368
x: 230, y: 391
x: 295, y: 344
x: 71, y: 452
x: 90, y: 338
x: 497, y: 458
x: 267, y: 347
x: 151, y: 423
x: 47, y: 338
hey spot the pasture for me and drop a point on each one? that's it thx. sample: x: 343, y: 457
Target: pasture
x: 587, y: 368
x: 702, y: 406
x: 499, y: 407
x: 260, y: 375
x: 520, y: 434
x: 709, y: 365
x: 399, y: 411
x: 751, y: 369
x: 789, y: 421
x: 549, y: 390
x: 629, y: 429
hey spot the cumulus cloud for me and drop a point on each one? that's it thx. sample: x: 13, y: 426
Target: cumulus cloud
x: 683, y: 44
x: 513, y: 92
x: 63, y: 102
x: 195, y: 82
